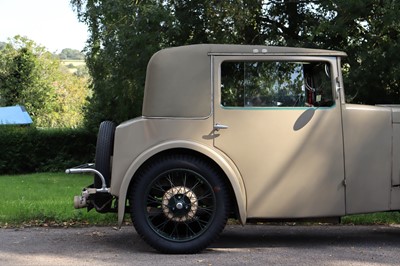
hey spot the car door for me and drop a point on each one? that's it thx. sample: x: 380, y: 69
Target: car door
x: 279, y: 120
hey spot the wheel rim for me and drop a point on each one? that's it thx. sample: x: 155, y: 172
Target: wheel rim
x: 180, y: 205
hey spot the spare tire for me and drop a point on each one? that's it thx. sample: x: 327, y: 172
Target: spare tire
x: 104, y: 152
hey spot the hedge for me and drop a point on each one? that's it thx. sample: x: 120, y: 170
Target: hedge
x: 29, y: 150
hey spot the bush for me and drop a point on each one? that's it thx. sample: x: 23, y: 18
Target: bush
x: 28, y: 150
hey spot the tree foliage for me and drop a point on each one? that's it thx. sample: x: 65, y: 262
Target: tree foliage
x: 124, y: 34
x: 33, y: 77
x: 71, y: 54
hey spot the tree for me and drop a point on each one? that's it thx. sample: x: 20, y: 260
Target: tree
x: 369, y: 32
x: 33, y: 77
x: 124, y: 34
x: 71, y: 54
x: 231, y: 21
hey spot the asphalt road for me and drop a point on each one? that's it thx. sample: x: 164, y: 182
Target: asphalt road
x: 249, y: 245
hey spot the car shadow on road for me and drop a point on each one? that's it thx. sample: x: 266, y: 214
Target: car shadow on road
x: 261, y: 236
x: 266, y: 236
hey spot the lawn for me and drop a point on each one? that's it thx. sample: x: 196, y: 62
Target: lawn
x: 373, y: 218
x: 46, y: 199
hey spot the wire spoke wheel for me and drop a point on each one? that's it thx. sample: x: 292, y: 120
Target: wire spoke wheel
x: 179, y: 204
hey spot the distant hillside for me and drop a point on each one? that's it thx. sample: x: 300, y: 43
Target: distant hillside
x: 75, y: 66
x: 74, y: 63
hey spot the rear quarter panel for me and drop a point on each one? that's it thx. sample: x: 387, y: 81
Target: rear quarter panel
x: 139, y: 139
x: 368, y: 156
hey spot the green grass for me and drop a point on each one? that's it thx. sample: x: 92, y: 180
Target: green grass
x: 373, y: 218
x: 75, y: 63
x: 46, y: 199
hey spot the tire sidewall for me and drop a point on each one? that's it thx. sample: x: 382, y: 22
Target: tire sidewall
x: 138, y: 202
x: 104, y: 151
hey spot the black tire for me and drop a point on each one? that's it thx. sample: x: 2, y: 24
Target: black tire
x: 179, y: 204
x: 104, y: 151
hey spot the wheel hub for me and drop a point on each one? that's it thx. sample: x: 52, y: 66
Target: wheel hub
x: 179, y: 204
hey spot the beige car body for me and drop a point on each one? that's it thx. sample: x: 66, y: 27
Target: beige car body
x: 281, y: 163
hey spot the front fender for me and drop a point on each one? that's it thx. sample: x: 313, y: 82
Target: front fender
x: 222, y: 160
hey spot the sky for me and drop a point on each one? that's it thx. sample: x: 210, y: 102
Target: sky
x: 50, y: 23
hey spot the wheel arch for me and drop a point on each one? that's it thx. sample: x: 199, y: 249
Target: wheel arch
x: 230, y: 173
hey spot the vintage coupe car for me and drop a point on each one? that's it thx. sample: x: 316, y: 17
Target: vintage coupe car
x: 247, y: 132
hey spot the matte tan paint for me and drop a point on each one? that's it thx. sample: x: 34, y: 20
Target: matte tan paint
x: 368, y: 151
x: 291, y: 159
x: 395, y: 198
x: 178, y: 83
x: 396, y: 155
x: 396, y: 145
x: 304, y: 162
x: 178, y: 80
x: 195, y: 135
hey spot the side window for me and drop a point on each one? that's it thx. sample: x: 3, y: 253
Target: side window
x: 275, y: 84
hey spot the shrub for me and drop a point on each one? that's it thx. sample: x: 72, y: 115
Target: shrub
x: 28, y: 150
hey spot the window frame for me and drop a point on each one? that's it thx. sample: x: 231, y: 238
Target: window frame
x: 219, y: 60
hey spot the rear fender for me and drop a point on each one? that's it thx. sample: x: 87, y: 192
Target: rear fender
x: 224, y: 162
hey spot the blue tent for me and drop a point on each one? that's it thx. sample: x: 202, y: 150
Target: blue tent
x: 14, y: 115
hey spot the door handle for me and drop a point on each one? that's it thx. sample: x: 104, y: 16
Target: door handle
x: 219, y: 126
